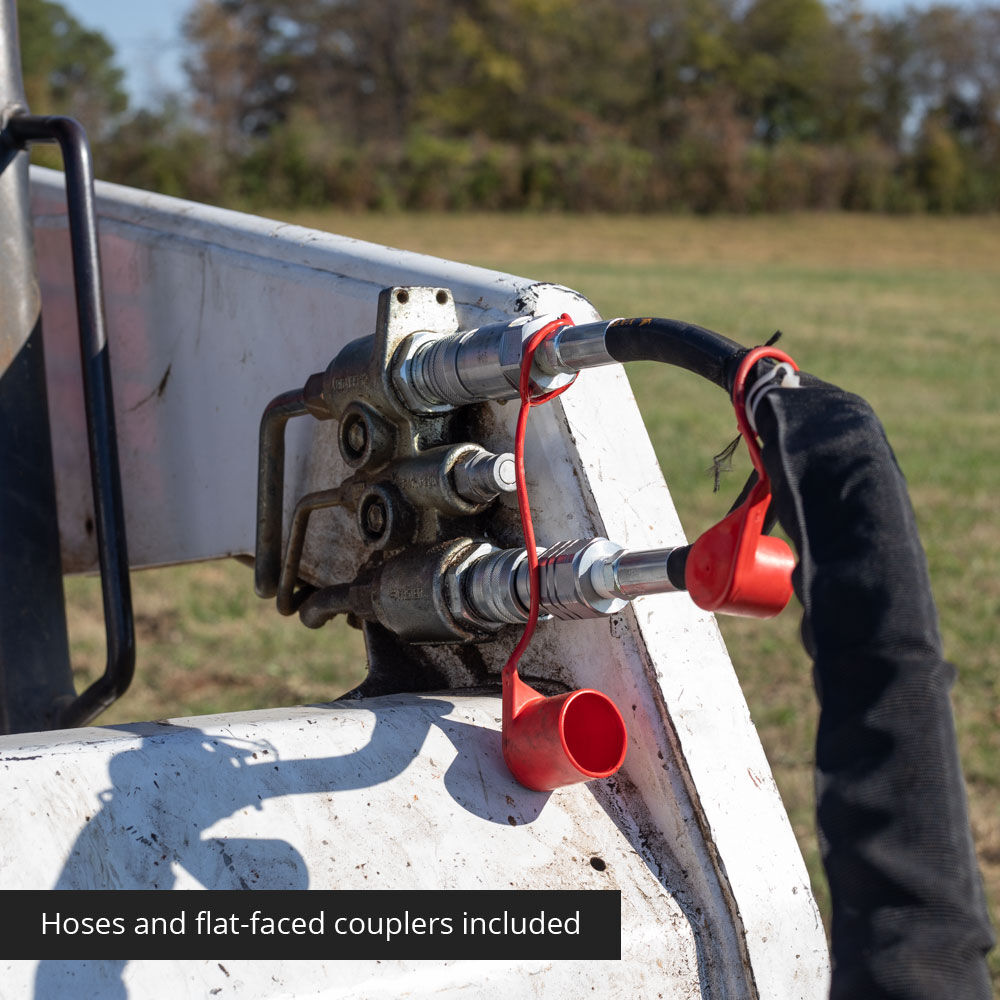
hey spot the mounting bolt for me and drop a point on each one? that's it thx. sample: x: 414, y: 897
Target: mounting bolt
x: 385, y: 519
x: 375, y: 517
x: 365, y: 439
x: 357, y: 437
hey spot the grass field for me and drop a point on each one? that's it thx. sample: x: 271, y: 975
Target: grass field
x: 903, y: 311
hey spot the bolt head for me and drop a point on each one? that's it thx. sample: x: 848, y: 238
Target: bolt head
x: 375, y: 517
x: 357, y: 437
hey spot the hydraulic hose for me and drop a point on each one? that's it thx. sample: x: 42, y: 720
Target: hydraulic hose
x: 484, y: 363
x: 909, y: 914
x: 673, y: 342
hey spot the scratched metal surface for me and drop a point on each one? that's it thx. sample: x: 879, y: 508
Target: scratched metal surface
x: 404, y: 792
x: 210, y: 314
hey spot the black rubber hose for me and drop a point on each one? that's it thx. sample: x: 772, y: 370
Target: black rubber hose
x: 909, y: 914
x: 673, y: 342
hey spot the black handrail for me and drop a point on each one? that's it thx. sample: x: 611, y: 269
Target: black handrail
x: 105, y: 475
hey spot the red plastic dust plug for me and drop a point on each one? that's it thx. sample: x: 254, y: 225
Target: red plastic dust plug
x: 549, y: 742
x: 733, y: 567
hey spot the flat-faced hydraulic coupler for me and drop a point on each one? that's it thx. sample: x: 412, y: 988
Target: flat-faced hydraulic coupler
x: 465, y: 590
x: 434, y: 373
x: 580, y: 578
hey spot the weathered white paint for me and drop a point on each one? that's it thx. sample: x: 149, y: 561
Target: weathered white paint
x: 238, y: 309
x: 406, y: 791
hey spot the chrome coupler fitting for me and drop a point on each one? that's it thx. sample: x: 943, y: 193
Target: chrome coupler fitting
x: 580, y: 578
x: 432, y: 373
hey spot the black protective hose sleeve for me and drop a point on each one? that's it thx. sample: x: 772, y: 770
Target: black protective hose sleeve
x: 909, y: 914
x: 673, y: 342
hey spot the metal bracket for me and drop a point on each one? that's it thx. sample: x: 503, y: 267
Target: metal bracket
x: 413, y: 489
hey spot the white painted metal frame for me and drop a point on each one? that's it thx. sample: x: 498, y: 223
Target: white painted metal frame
x: 210, y: 314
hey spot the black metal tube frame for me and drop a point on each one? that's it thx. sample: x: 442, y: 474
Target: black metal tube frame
x: 102, y: 443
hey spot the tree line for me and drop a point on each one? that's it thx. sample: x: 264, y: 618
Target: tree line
x: 586, y: 105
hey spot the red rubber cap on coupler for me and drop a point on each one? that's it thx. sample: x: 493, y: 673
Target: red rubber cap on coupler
x: 549, y: 742
x: 735, y: 569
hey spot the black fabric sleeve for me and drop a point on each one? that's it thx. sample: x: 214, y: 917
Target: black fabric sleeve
x: 909, y: 913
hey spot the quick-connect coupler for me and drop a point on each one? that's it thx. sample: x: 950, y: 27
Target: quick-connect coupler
x: 581, y: 578
x: 432, y: 373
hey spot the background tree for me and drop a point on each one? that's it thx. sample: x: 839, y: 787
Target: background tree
x: 735, y: 105
x: 239, y: 69
x: 69, y: 69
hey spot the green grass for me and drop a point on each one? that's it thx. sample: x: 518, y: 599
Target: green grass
x: 207, y: 644
x: 902, y: 311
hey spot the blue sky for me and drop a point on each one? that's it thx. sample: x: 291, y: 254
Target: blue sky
x: 146, y: 37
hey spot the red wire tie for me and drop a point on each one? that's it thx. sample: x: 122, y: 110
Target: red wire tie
x: 527, y: 402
